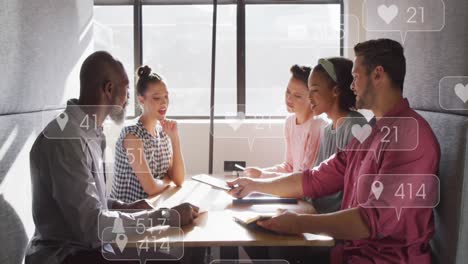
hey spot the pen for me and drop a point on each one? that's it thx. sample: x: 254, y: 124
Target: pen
x: 239, y: 167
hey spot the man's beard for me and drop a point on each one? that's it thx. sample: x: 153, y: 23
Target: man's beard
x: 117, y: 113
x: 364, y: 100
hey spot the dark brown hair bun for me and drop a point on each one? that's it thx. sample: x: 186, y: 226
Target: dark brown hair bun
x: 143, y: 71
x: 145, y: 77
x: 300, y: 72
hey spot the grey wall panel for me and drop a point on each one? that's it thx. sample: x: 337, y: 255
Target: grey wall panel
x: 40, y: 43
x: 17, y: 134
x: 451, y: 235
x: 431, y: 56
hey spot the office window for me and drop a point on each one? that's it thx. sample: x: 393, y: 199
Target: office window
x: 176, y: 41
x: 113, y: 32
x: 177, y: 44
x: 278, y: 36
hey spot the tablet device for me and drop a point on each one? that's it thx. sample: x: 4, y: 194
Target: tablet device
x: 249, y: 219
x: 264, y: 199
x: 210, y: 180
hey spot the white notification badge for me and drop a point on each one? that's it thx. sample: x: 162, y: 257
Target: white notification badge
x: 76, y: 121
x: 394, y: 133
x: 154, y: 237
x: 453, y: 93
x: 156, y: 243
x: 398, y: 191
x: 237, y: 125
x: 404, y: 16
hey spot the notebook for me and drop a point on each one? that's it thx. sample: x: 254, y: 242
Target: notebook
x: 249, y: 220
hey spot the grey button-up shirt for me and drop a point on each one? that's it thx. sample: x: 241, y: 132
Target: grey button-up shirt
x: 69, y: 191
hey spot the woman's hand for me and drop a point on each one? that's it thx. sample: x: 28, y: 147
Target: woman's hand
x: 253, y: 172
x: 170, y: 128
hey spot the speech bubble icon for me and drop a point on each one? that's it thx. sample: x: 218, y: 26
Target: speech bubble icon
x: 141, y: 223
x: 453, y: 93
x: 334, y: 36
x: 401, y: 191
x: 237, y: 121
x: 403, y: 16
x: 236, y: 125
x: 155, y: 156
x: 387, y: 13
x: 75, y: 123
x: 157, y: 243
x: 145, y: 237
x: 386, y: 134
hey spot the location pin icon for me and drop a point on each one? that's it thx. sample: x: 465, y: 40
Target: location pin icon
x: 62, y: 120
x: 377, y: 188
x: 121, y: 240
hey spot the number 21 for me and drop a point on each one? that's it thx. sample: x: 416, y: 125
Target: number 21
x: 414, y: 10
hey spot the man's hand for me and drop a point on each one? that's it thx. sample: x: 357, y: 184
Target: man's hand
x: 253, y: 172
x: 135, y: 206
x: 284, y: 223
x: 141, y: 205
x: 243, y: 186
x: 186, y: 212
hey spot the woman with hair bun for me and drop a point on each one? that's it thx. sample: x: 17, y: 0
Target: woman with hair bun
x: 148, y: 155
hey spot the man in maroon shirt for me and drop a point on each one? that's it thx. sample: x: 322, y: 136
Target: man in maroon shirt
x: 399, y: 149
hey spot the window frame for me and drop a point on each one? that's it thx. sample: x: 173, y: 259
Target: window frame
x: 240, y: 39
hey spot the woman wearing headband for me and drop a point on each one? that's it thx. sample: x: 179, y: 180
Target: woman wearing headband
x: 330, y: 93
x: 148, y: 154
x: 302, y: 129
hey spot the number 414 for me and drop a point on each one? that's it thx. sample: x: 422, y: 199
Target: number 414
x: 402, y: 192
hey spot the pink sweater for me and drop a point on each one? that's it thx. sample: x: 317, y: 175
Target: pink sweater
x: 302, y: 144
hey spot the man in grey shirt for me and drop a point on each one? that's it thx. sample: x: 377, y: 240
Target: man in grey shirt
x: 70, y: 204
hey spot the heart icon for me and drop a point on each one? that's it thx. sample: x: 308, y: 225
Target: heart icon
x: 387, y: 13
x: 237, y: 122
x: 361, y: 133
x: 462, y: 92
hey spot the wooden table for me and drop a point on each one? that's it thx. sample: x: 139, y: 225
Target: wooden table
x: 216, y: 226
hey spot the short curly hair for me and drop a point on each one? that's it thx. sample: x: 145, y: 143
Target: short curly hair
x: 387, y: 53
